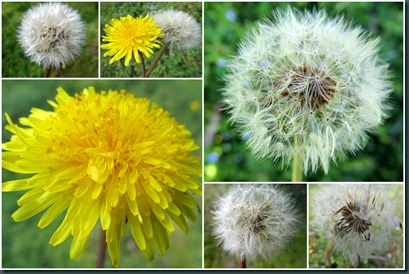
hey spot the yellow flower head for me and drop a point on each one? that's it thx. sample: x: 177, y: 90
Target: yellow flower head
x: 129, y: 35
x: 104, y: 156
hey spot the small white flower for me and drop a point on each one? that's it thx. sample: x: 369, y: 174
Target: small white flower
x: 306, y: 85
x: 51, y: 34
x: 254, y: 220
x: 181, y: 30
x: 357, y: 219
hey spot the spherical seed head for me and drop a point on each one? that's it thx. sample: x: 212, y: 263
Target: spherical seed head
x: 51, y: 34
x: 181, y: 30
x: 358, y: 219
x: 107, y: 157
x: 254, y: 220
x: 310, y: 80
x: 130, y: 36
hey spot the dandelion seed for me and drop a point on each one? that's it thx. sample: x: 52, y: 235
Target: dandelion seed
x: 181, y: 30
x: 129, y: 36
x: 357, y: 219
x: 104, y: 156
x: 51, y: 34
x: 254, y: 220
x: 308, y: 80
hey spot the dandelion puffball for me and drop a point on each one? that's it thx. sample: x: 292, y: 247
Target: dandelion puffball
x: 51, y: 34
x: 181, y: 30
x: 254, y: 220
x: 306, y: 85
x: 107, y: 157
x: 357, y: 219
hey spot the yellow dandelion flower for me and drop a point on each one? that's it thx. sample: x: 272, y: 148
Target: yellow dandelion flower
x: 129, y: 35
x: 104, y: 156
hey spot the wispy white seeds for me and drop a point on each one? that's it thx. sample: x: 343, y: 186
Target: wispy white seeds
x: 51, y: 34
x: 357, y: 219
x: 254, y: 220
x: 308, y: 77
x: 181, y: 30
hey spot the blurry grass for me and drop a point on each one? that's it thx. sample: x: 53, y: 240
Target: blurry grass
x: 394, y: 253
x: 172, y: 63
x: 25, y: 245
x: 228, y: 159
x: 15, y: 64
x: 292, y: 256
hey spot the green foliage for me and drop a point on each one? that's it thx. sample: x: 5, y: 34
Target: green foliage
x: 15, y: 64
x: 226, y: 157
x: 25, y: 245
x: 292, y: 256
x: 173, y: 63
x: 391, y: 258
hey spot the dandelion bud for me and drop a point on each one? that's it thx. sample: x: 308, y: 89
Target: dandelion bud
x: 181, y: 30
x: 306, y: 85
x: 51, y: 34
x: 254, y: 220
x: 357, y: 219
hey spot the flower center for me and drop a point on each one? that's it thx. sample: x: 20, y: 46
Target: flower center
x: 353, y: 219
x: 54, y: 37
x: 311, y: 86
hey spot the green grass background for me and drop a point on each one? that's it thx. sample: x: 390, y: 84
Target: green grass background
x: 393, y: 253
x: 294, y: 255
x: 26, y: 246
x: 227, y: 159
x: 173, y: 63
x: 15, y: 64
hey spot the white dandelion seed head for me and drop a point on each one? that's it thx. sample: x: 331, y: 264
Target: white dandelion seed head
x: 181, y: 30
x: 254, y: 220
x: 307, y: 77
x: 358, y: 219
x: 51, y: 34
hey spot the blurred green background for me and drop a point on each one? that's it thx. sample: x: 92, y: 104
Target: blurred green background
x: 173, y: 63
x: 25, y: 245
x: 227, y: 159
x: 292, y: 256
x: 15, y: 64
x: 392, y: 257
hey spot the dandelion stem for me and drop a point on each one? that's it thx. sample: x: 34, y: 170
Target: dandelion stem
x: 102, y: 246
x: 243, y: 263
x: 143, y: 63
x: 47, y: 71
x: 155, y: 61
x: 297, y: 165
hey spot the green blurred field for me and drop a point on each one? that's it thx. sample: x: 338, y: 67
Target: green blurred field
x: 293, y: 256
x: 26, y: 246
x: 393, y: 254
x: 15, y: 64
x: 226, y: 157
x: 173, y: 63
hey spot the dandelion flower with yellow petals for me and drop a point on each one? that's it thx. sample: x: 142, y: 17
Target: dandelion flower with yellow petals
x: 107, y: 157
x: 129, y: 35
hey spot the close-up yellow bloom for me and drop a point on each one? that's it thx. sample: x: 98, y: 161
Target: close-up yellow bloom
x: 109, y: 157
x: 129, y: 35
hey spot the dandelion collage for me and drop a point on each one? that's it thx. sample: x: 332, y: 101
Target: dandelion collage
x: 202, y: 135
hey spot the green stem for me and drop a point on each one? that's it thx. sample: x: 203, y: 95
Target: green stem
x: 102, y: 246
x: 297, y: 165
x: 143, y: 63
x: 155, y: 61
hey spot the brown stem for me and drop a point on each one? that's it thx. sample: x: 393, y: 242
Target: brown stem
x: 102, y: 246
x: 47, y: 71
x: 143, y: 63
x: 155, y: 61
x: 243, y: 263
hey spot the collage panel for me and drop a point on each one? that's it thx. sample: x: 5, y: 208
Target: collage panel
x: 53, y: 39
x: 82, y: 157
x: 356, y: 226
x: 303, y: 91
x: 254, y: 225
x: 151, y: 39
